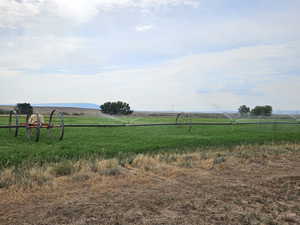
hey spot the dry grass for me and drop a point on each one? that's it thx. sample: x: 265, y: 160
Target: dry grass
x: 27, y: 178
x: 243, y: 185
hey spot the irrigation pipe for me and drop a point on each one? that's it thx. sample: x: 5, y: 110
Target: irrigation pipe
x: 168, y: 124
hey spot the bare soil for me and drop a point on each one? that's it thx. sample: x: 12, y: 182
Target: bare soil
x: 257, y: 190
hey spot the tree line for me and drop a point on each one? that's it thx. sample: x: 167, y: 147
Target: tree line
x: 256, y: 111
x: 123, y: 108
x: 113, y: 108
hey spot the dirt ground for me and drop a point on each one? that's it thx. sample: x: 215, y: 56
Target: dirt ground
x: 253, y: 190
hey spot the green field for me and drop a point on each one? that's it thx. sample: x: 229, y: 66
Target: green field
x: 122, y: 142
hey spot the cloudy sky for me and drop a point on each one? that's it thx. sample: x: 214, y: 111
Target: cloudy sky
x: 154, y: 54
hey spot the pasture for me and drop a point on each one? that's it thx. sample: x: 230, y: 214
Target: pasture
x: 124, y: 142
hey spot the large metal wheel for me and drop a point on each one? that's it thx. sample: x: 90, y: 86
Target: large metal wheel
x: 33, y: 130
x: 56, y: 126
x: 13, y: 121
x: 184, y: 120
x: 177, y: 117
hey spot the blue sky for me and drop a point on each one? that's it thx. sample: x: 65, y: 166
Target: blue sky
x: 154, y: 54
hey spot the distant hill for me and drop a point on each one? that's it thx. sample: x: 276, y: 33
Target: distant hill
x: 70, y: 105
x: 287, y: 112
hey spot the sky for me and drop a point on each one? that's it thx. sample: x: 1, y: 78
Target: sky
x: 193, y: 55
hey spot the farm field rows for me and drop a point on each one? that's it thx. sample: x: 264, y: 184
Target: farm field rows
x: 121, y: 142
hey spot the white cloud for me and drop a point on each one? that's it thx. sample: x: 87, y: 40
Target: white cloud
x: 111, y: 42
x: 142, y: 28
x: 20, y: 13
x: 191, y: 59
x: 31, y: 52
x: 178, y: 82
x: 282, y: 93
x: 14, y: 13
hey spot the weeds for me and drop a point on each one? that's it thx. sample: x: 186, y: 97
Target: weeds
x: 63, y: 169
x: 22, y: 177
x: 80, y: 177
x: 83, y: 170
x: 124, y: 161
x: 111, y: 171
x: 146, y: 162
x: 219, y: 159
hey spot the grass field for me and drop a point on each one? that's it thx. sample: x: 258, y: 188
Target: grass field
x: 122, y: 142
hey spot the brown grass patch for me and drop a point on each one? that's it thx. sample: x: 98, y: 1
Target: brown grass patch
x: 243, y: 185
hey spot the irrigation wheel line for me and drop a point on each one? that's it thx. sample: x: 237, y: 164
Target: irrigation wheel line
x: 13, y: 121
x: 33, y: 131
x: 175, y: 124
x: 177, y: 117
x: 56, y: 126
x: 186, y: 119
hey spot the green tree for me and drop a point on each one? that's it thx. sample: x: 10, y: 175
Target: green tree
x: 116, y: 108
x: 268, y: 110
x: 244, y: 110
x: 262, y: 110
x: 24, y: 108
